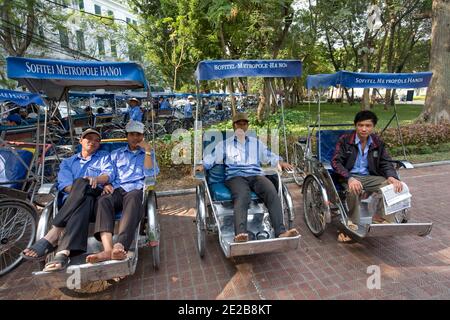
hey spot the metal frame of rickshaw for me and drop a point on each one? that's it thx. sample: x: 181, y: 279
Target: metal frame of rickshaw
x: 217, y: 215
x: 23, y: 202
x: 327, y: 201
x: 92, y: 277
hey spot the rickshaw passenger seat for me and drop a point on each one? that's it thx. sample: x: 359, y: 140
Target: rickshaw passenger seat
x: 328, y: 141
x: 11, y: 168
x: 216, y: 182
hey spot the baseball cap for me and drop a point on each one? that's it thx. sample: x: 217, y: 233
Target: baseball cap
x: 240, y: 116
x: 86, y: 132
x: 134, y: 99
x: 190, y: 96
x: 134, y: 126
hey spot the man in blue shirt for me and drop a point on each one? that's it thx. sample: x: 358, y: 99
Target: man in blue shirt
x: 80, y: 178
x: 131, y: 165
x: 362, y: 163
x: 188, y: 120
x: 135, y: 111
x: 13, y: 119
x: 242, y: 156
x: 164, y: 104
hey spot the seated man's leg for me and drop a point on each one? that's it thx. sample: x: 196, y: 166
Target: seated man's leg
x: 80, y: 189
x: 74, y: 238
x: 373, y: 184
x: 75, y: 234
x: 74, y: 200
x: 107, y: 206
x: 240, y: 192
x: 352, y: 203
x: 265, y: 189
x: 133, y: 211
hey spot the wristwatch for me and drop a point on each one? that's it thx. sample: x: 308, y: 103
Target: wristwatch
x: 148, y: 153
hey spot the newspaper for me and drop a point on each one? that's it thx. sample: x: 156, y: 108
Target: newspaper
x: 394, y: 202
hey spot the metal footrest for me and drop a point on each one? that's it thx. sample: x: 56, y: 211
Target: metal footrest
x: 397, y: 229
x: 85, y: 272
x: 262, y: 246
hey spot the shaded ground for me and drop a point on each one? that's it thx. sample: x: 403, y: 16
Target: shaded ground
x: 412, y: 267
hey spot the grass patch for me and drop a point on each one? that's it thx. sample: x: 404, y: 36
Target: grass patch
x: 436, y: 156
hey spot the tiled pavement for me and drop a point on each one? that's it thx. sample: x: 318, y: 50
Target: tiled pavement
x: 412, y: 267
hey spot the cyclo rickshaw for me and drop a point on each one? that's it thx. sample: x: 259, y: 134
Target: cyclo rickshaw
x: 67, y: 75
x: 324, y: 198
x: 23, y: 204
x: 213, y: 199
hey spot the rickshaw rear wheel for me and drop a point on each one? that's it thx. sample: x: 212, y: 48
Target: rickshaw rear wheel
x: 17, y: 231
x: 314, y: 206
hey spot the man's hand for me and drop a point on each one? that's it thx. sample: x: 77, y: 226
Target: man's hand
x: 92, y: 181
x: 355, y: 186
x: 145, y: 146
x: 285, y: 166
x: 68, y: 189
x: 199, y: 168
x: 398, y: 187
x: 108, y: 189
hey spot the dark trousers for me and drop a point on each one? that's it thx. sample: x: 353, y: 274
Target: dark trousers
x: 241, y: 187
x: 188, y: 123
x: 75, y: 215
x: 130, y: 203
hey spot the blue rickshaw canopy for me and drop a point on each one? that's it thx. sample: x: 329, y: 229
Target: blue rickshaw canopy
x: 221, y: 69
x: 349, y: 79
x: 54, y: 77
x: 20, y: 98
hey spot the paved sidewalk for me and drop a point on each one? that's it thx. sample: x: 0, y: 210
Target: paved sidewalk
x: 412, y: 267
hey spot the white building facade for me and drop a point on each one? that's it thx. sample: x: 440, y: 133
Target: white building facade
x: 94, y: 29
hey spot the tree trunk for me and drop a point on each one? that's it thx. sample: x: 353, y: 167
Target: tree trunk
x: 231, y: 90
x: 437, y: 102
x: 17, y: 45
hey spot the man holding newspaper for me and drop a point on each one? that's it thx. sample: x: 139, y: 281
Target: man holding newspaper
x: 362, y: 164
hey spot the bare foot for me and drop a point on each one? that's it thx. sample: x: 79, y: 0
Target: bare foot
x: 99, y: 257
x: 118, y: 252
x: 241, y: 237
x: 344, y: 238
x: 290, y: 233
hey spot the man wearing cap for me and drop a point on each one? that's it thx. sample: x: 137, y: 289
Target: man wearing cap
x: 131, y: 165
x: 242, y: 156
x: 80, y: 178
x: 188, y: 120
x: 136, y: 113
x: 13, y: 119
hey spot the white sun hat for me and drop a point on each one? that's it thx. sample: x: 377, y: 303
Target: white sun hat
x: 134, y: 126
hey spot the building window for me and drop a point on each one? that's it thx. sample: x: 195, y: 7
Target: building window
x: 101, y: 46
x: 63, y: 37
x: 80, y: 40
x: 128, y: 20
x: 134, y: 22
x: 81, y: 4
x: 110, y: 14
x: 97, y: 9
x: 113, y: 49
